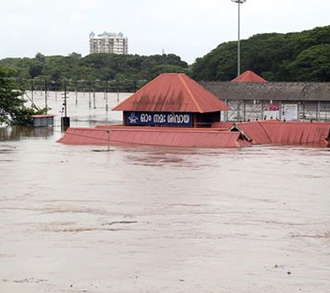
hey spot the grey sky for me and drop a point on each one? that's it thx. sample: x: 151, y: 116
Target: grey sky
x: 188, y: 28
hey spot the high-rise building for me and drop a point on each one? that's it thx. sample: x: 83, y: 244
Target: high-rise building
x: 108, y: 43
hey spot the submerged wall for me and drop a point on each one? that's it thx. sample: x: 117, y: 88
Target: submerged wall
x: 289, y: 101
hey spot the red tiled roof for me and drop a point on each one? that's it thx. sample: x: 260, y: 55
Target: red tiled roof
x: 255, y: 132
x: 248, y: 76
x: 172, y: 92
x: 260, y: 132
x: 280, y: 132
x: 297, y: 132
x: 225, y: 125
x: 161, y: 136
x: 287, y: 133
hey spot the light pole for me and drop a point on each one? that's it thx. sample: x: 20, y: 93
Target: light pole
x: 239, y: 2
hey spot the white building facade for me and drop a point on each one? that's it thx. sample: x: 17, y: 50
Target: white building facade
x: 108, y: 43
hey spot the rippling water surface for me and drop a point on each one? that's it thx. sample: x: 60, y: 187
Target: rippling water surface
x: 153, y: 219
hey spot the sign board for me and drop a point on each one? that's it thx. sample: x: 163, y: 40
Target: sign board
x: 290, y: 112
x: 158, y: 119
x: 271, y: 111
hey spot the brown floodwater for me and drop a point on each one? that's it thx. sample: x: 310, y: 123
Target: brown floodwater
x: 154, y: 219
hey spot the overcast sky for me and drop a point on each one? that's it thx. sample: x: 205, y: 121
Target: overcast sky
x: 188, y: 28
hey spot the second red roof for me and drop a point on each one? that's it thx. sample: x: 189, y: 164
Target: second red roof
x: 248, y: 76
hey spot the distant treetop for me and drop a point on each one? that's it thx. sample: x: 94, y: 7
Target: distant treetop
x: 303, y: 56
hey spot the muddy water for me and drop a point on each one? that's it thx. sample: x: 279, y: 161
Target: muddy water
x: 151, y: 219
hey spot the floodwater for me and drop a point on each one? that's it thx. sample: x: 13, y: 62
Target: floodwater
x: 153, y: 219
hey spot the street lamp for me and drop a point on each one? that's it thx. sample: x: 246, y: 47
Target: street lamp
x: 239, y: 2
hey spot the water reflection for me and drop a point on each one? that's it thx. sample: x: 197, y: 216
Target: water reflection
x: 81, y: 114
x: 80, y: 111
x: 176, y: 157
x: 21, y: 132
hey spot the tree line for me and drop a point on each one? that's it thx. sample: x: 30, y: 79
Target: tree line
x: 122, y: 72
x: 303, y: 57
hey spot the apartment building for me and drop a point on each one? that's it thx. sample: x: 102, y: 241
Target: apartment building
x: 108, y: 43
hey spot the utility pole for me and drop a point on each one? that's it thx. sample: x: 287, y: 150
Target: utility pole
x: 65, y: 121
x: 108, y: 136
x: 76, y: 90
x: 32, y: 89
x: 46, y: 104
x: 94, y: 98
x: 106, y: 97
x: 65, y: 101
x: 239, y: 2
x: 89, y: 95
x: 117, y: 90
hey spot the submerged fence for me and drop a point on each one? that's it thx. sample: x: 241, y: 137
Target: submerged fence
x: 38, y: 84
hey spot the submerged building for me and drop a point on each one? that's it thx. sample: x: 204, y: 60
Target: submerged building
x: 108, y: 43
x: 172, y: 99
x: 174, y: 110
x: 250, y: 97
x: 171, y: 110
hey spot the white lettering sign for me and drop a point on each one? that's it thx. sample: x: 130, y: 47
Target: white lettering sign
x: 178, y: 118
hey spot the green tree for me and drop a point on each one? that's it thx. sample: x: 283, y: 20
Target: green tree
x: 128, y: 70
x: 35, y: 68
x: 12, y: 108
x: 40, y: 58
x: 158, y: 69
x: 277, y: 57
x: 313, y: 64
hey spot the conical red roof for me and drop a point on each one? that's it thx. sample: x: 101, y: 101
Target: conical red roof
x: 248, y: 76
x: 172, y: 92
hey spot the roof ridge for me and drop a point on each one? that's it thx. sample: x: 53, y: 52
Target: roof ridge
x: 189, y: 92
x: 142, y: 88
